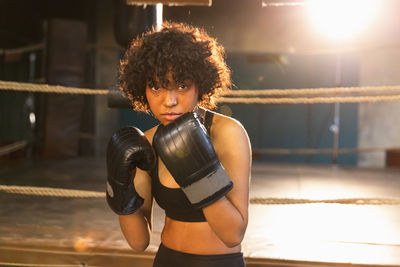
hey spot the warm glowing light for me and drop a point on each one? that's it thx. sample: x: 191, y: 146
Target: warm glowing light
x: 32, y: 118
x: 343, y: 19
x: 159, y: 16
x: 325, y: 232
x: 82, y: 243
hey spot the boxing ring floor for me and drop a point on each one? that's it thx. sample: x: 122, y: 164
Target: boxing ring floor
x: 54, y: 231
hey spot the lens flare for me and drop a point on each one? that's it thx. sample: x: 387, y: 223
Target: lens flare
x: 343, y: 19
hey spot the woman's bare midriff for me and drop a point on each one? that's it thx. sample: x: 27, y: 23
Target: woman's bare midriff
x: 194, y: 238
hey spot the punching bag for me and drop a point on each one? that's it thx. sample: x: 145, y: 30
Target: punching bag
x: 130, y: 21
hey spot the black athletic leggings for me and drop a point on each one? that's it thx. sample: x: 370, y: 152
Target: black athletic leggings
x: 167, y: 257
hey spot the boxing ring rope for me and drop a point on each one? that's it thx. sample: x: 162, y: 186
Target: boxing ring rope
x: 9, y: 264
x: 50, y: 192
x: 21, y: 50
x: 7, y: 149
x: 45, y: 88
x: 311, y: 100
x: 313, y: 151
x: 71, y: 193
x: 231, y: 97
x: 311, y: 91
x: 236, y: 96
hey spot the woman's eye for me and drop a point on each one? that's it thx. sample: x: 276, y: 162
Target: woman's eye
x: 154, y: 87
x: 182, y: 87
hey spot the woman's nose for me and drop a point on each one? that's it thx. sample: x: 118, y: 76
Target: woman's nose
x: 170, y: 98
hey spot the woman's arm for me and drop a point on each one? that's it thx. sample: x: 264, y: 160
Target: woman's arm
x: 137, y: 226
x: 191, y: 159
x: 228, y: 216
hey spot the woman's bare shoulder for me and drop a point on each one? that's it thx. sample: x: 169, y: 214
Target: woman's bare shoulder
x: 229, y: 135
x: 225, y: 126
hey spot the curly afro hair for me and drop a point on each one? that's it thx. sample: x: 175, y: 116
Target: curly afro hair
x: 188, y: 52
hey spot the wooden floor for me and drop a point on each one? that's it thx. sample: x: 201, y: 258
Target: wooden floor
x: 54, y: 231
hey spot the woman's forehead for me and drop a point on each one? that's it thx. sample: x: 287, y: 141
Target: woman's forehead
x: 171, y: 77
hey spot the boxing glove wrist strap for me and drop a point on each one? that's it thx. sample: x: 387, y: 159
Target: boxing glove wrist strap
x: 208, y: 189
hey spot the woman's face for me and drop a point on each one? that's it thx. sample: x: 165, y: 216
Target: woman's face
x: 167, y: 104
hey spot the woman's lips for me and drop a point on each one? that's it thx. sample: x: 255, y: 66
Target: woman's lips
x: 171, y: 116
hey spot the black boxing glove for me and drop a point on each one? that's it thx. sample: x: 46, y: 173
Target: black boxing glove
x: 186, y: 150
x: 127, y: 149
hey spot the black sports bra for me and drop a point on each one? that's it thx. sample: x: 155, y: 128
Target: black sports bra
x: 173, y: 200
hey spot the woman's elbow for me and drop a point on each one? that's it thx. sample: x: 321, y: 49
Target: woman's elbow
x: 138, y: 246
x: 233, y: 240
x: 232, y: 243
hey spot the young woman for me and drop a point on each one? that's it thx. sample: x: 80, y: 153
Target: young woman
x: 196, y: 163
